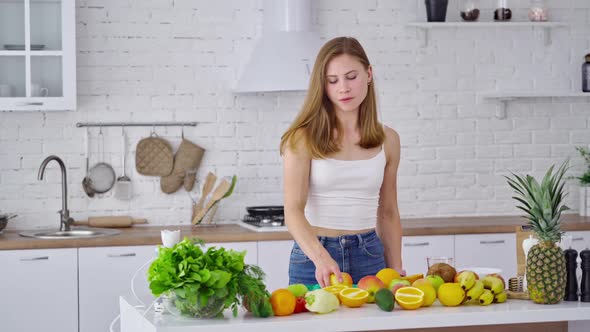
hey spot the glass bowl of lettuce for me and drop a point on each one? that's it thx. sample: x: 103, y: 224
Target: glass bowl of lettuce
x: 193, y: 306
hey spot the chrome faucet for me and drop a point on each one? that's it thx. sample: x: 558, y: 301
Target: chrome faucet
x: 65, y: 220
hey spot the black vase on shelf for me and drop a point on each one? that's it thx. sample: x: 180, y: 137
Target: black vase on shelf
x: 436, y: 10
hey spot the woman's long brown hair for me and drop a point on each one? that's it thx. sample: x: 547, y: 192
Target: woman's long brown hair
x: 316, y: 120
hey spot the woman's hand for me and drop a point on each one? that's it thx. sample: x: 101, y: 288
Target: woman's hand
x: 324, y: 269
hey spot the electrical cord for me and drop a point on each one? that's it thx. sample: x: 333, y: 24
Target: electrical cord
x: 139, y: 306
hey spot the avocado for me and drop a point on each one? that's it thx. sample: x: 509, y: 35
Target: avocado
x: 384, y: 299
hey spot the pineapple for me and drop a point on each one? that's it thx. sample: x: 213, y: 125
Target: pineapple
x: 543, y: 204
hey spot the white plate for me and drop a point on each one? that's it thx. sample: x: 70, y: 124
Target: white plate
x: 481, y: 271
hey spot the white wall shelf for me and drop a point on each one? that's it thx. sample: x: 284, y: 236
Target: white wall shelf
x: 505, y: 97
x: 546, y: 26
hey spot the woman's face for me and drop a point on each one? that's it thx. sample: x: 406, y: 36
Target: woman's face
x: 346, y: 82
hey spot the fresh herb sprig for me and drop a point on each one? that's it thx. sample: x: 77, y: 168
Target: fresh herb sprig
x: 197, y: 275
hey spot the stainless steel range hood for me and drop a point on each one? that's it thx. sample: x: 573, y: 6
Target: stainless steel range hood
x: 283, y: 57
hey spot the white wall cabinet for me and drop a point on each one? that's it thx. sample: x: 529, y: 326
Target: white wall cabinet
x: 105, y: 273
x: 273, y: 258
x: 487, y: 250
x: 37, y: 55
x: 39, y: 290
x: 415, y: 249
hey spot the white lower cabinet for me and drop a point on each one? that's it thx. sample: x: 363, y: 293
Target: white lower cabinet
x: 105, y: 273
x: 415, y: 249
x: 39, y: 290
x: 487, y: 250
x: 273, y: 258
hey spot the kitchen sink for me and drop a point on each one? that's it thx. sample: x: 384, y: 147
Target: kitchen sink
x: 74, y: 233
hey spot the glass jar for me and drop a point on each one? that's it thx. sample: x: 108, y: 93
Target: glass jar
x: 502, y: 12
x: 538, y: 11
x: 586, y: 74
x: 469, y: 10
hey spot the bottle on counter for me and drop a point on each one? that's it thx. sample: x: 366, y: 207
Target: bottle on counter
x: 585, y: 283
x: 538, y: 11
x: 586, y: 74
x: 469, y: 11
x: 571, y: 287
x: 502, y: 12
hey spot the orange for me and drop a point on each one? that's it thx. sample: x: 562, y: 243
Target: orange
x: 413, y: 277
x: 387, y: 275
x: 282, y: 302
x: 409, y: 298
x: 353, y: 297
x: 335, y: 289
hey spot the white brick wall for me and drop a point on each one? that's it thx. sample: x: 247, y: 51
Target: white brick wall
x: 177, y: 61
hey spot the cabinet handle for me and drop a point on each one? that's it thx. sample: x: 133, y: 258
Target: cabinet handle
x: 419, y: 244
x: 129, y: 254
x: 578, y: 239
x: 492, y: 242
x: 40, y: 258
x: 36, y: 103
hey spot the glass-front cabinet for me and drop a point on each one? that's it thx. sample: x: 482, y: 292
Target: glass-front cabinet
x: 37, y: 55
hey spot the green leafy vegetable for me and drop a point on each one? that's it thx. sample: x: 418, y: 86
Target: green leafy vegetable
x: 195, y: 276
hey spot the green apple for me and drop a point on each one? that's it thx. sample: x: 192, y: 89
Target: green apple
x: 435, y: 280
x: 298, y: 289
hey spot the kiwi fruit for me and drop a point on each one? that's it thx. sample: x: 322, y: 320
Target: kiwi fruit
x: 444, y: 270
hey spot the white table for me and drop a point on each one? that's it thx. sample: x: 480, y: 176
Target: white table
x: 366, y: 318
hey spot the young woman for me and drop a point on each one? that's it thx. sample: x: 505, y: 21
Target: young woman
x: 340, y: 174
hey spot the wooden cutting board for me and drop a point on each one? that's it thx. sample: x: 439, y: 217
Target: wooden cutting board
x: 110, y: 221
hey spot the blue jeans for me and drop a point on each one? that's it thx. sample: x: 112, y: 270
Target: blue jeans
x: 359, y: 255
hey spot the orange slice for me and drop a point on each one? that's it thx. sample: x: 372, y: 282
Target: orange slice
x: 409, y: 298
x: 335, y: 289
x: 353, y: 297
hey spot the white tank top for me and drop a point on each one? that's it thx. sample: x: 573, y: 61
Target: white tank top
x: 344, y: 194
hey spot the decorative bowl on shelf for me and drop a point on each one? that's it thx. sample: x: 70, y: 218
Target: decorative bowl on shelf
x: 179, y: 306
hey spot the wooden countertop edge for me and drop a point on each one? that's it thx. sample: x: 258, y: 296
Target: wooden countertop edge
x: 150, y: 235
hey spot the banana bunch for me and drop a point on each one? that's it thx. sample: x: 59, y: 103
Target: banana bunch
x: 485, y: 291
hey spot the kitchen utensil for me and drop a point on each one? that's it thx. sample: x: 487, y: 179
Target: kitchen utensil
x: 86, y: 182
x: 110, y: 221
x: 256, y: 211
x: 154, y: 157
x: 4, y: 220
x: 102, y: 175
x: 228, y: 193
x: 223, y: 187
x: 207, y: 187
x: 123, y: 190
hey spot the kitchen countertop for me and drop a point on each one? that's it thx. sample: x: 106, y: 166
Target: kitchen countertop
x: 147, y: 235
x: 366, y: 318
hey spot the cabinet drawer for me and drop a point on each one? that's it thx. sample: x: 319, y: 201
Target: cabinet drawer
x: 487, y: 250
x: 39, y: 290
x: 415, y: 249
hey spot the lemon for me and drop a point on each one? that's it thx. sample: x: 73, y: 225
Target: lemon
x: 409, y: 298
x: 335, y: 289
x: 353, y: 297
x: 386, y: 275
x: 451, y: 294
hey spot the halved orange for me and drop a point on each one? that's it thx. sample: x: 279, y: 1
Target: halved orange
x: 409, y: 298
x: 353, y: 297
x: 335, y: 289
